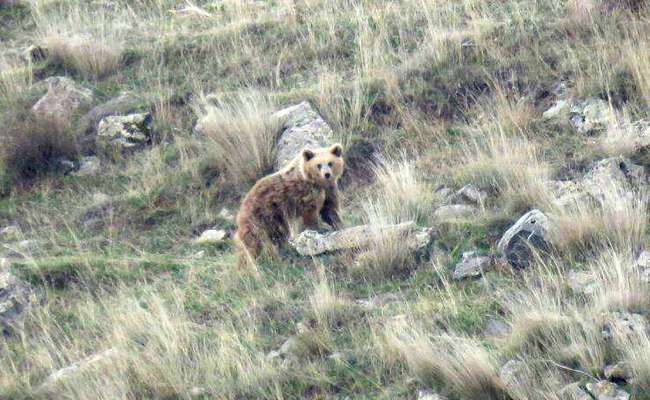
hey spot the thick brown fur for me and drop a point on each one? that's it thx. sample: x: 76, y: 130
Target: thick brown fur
x: 306, y: 188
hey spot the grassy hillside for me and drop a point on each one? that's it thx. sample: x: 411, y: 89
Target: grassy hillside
x: 426, y: 97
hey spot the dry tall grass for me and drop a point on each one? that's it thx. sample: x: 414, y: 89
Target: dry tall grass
x: 241, y: 134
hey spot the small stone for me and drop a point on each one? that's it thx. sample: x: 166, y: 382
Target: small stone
x: 559, y: 108
x: 427, y: 394
x: 288, y: 348
x: 14, y: 298
x: 582, y: 282
x: 472, y: 265
x: 89, y: 166
x: 198, y: 391
x: 9, y: 233
x: 619, y: 371
x: 496, y: 328
x: 66, y: 166
x: 573, y: 391
x: 472, y: 194
x: 514, y: 374
x: 605, y: 390
x: 643, y: 261
x: 212, y: 236
x: 199, y: 254
x: 454, y: 211
x: 444, y: 192
x: 226, y: 215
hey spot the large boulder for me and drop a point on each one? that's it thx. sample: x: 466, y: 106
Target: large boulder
x: 123, y: 134
x: 63, y: 99
x: 124, y: 104
x: 302, y: 127
x: 311, y: 243
x: 619, y: 170
x: 14, y: 298
x: 529, y: 234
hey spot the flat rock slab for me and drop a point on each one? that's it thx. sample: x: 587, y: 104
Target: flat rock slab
x: 311, y: 243
x: 303, y: 128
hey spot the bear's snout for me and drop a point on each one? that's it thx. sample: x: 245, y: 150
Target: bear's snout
x: 327, y: 175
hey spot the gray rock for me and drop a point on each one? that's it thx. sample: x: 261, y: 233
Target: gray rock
x: 591, y: 115
x: 379, y: 301
x: 574, y: 391
x: 124, y: 104
x: 226, y: 215
x: 605, y: 390
x: 560, y: 108
x: 303, y: 128
x: 124, y: 134
x: 63, y: 99
x: 426, y: 394
x: 14, y: 298
x: 614, y: 169
x: 643, y: 261
x: 582, y: 282
x: 530, y: 232
x: 66, y: 166
x: 629, y: 135
x: 496, y: 328
x: 212, y: 236
x: 10, y: 233
x: 568, y: 194
x: 311, y: 243
x: 515, y: 375
x: 88, y: 166
x: 472, y: 265
x: 453, y: 212
x: 289, y: 348
x: 624, y: 326
x: 472, y: 194
x: 619, y: 371
x: 643, y: 266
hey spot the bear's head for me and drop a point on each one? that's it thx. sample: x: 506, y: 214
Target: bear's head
x: 323, y: 166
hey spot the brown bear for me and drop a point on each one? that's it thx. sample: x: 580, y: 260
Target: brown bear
x: 307, y: 187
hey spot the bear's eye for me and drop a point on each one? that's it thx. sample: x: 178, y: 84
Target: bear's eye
x: 320, y: 166
x: 329, y: 164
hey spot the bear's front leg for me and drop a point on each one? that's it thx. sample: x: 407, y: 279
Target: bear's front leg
x: 330, y: 210
x: 310, y: 219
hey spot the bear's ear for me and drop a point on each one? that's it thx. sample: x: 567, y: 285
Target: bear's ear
x: 308, y: 154
x: 337, y: 150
